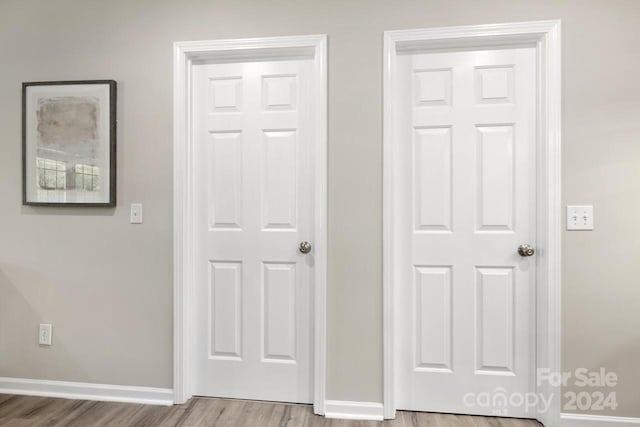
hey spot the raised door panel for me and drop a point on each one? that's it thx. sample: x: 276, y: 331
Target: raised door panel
x: 432, y: 179
x: 495, y: 305
x: 279, y: 201
x: 432, y: 87
x: 279, y: 92
x: 495, y: 85
x: 433, y: 314
x: 225, y: 94
x: 495, y: 178
x: 224, y: 156
x: 279, y: 312
x: 225, y: 310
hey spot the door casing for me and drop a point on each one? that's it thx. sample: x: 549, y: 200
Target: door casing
x: 185, y: 54
x: 545, y: 37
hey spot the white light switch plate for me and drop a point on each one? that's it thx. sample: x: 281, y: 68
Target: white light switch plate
x: 136, y: 213
x: 579, y: 217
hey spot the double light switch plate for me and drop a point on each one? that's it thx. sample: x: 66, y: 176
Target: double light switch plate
x: 579, y: 217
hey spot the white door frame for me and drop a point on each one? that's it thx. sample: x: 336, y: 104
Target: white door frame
x: 545, y: 36
x: 271, y: 48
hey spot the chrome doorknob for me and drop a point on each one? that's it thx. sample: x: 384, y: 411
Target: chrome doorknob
x: 526, y: 250
x: 305, y: 247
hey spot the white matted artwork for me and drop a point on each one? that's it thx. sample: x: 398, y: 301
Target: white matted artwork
x: 69, y: 143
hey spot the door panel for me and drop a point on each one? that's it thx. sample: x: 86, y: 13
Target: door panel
x: 279, y: 205
x: 494, y: 157
x: 224, y: 155
x: 495, y: 320
x: 225, y: 306
x: 253, y: 203
x: 433, y: 320
x: 433, y: 174
x: 279, y: 312
x: 464, y: 297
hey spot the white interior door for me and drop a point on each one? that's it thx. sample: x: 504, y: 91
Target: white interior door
x: 465, y: 298
x: 253, y: 203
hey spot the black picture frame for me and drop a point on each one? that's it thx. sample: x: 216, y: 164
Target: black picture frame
x: 112, y: 139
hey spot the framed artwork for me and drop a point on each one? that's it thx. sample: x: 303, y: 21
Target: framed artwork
x: 69, y: 143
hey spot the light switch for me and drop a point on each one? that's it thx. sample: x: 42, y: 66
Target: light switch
x: 136, y: 213
x: 579, y: 217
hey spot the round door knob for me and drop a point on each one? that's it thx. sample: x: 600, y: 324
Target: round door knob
x: 526, y: 250
x: 305, y: 247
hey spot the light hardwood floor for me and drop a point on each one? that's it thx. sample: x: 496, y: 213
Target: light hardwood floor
x: 20, y: 411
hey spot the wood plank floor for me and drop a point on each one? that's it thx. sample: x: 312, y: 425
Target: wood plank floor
x: 20, y: 411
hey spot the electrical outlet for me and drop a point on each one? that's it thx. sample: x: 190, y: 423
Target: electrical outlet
x: 579, y: 217
x: 44, y: 337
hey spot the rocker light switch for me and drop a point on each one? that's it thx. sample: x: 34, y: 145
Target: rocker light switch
x: 136, y: 213
x: 579, y: 217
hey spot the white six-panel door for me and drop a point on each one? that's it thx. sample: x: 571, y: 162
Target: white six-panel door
x: 465, y: 302
x: 253, y: 196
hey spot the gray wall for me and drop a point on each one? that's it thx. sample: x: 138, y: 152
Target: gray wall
x: 107, y: 285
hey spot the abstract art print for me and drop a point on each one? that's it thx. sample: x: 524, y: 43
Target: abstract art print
x: 69, y: 143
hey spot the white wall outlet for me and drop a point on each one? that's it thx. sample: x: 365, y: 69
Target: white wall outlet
x: 579, y: 217
x: 136, y: 213
x: 44, y: 336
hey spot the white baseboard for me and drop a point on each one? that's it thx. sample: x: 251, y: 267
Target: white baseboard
x: 585, y: 420
x: 87, y: 391
x: 343, y: 409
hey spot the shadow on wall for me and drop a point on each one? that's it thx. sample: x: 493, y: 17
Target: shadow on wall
x: 20, y: 354
x: 68, y: 211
